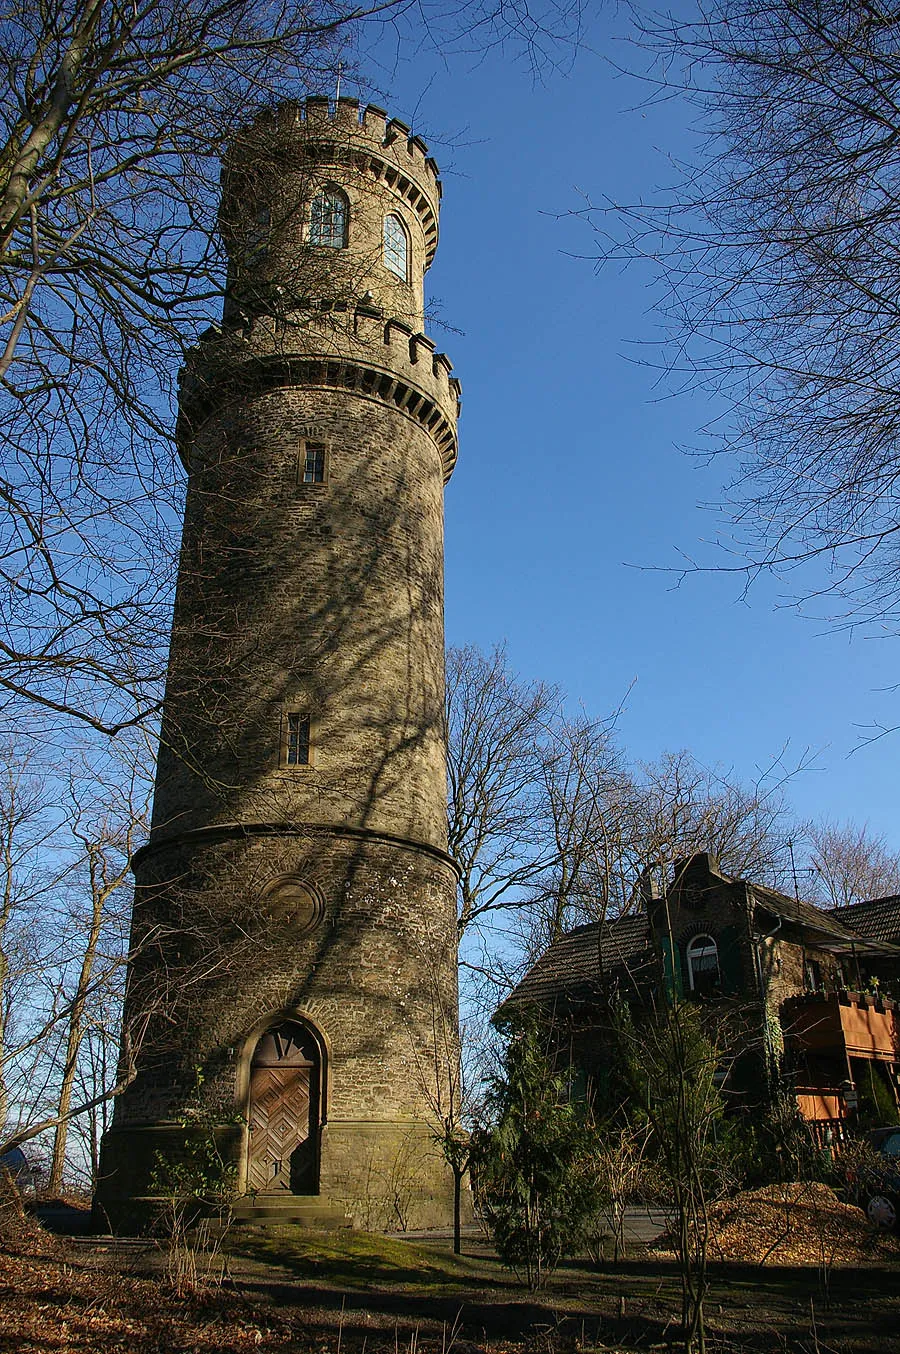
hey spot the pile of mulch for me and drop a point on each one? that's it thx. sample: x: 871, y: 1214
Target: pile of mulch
x: 794, y: 1224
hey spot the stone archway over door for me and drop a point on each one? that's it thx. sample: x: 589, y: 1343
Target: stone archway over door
x: 284, y: 1112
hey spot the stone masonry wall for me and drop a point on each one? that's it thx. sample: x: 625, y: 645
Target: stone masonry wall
x: 321, y: 891
x: 374, y: 975
x: 327, y: 598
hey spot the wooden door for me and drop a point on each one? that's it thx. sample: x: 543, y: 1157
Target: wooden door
x: 284, y: 1113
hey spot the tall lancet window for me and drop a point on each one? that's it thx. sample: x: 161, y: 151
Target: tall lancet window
x: 328, y: 217
x: 396, y: 247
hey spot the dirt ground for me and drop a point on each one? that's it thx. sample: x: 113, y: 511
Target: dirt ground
x: 291, y: 1290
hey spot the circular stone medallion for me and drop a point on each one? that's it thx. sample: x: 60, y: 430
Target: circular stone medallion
x: 288, y: 901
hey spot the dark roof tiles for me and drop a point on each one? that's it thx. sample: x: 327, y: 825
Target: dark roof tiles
x: 878, y: 919
x: 800, y: 913
x: 581, y: 962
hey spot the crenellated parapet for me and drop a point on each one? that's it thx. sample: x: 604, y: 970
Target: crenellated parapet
x: 346, y: 134
x: 380, y: 359
x: 298, y: 887
x: 392, y: 154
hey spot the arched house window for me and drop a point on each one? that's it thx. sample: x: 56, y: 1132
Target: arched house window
x: 702, y: 959
x: 329, y: 216
x: 396, y: 247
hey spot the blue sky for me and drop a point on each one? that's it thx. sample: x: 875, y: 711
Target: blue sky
x: 570, y: 475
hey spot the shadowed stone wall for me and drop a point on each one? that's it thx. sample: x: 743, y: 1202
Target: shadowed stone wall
x: 318, y: 891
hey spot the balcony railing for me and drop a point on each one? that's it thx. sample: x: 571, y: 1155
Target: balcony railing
x: 862, y: 1026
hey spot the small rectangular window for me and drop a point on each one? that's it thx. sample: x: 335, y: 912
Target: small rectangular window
x: 296, y: 749
x: 312, y: 469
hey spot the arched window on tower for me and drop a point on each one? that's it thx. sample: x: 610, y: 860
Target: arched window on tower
x: 396, y: 247
x: 702, y: 957
x: 328, y: 217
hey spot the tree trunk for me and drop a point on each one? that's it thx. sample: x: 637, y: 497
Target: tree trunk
x: 457, y: 1221
x: 99, y: 894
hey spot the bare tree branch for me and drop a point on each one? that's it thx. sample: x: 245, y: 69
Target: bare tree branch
x: 775, y: 257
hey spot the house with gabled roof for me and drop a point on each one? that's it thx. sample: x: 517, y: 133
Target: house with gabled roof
x: 802, y: 991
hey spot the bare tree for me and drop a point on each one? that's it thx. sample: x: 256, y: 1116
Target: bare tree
x: 29, y: 876
x: 113, y: 123
x: 617, y: 828
x: 449, y: 1078
x: 64, y: 929
x: 114, y: 120
x: 95, y: 1072
x: 586, y: 800
x: 107, y: 835
x: 775, y: 251
x: 850, y: 864
x: 688, y: 807
x: 551, y: 826
x: 497, y: 724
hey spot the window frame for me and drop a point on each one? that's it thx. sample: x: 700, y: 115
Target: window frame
x: 284, y: 762
x: 407, y: 247
x: 813, y: 978
x: 701, y: 946
x: 303, y: 462
x: 258, y: 238
x: 330, y: 192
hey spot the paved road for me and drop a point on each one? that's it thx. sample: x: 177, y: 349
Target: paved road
x: 642, y: 1225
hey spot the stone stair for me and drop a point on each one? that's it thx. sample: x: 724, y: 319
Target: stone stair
x: 304, y: 1210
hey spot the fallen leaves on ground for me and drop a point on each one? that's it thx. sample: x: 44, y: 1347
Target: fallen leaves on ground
x: 47, y: 1303
x: 797, y: 1223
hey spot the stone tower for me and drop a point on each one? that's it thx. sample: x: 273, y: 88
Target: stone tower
x: 293, y: 992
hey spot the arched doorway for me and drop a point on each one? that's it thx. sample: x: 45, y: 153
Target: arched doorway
x: 285, y: 1106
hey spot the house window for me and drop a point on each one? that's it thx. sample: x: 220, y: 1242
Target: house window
x: 396, y: 247
x: 296, y: 742
x: 702, y: 957
x: 312, y: 468
x: 328, y: 219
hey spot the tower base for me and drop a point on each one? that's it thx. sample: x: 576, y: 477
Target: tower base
x: 375, y: 1175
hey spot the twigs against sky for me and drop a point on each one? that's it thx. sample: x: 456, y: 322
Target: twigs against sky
x: 68, y: 832
x: 114, y: 122
x: 775, y: 253
x: 553, y: 825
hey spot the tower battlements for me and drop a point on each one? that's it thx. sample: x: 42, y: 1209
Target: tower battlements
x: 294, y: 928
x: 307, y: 138
x: 383, y: 360
x: 386, y: 136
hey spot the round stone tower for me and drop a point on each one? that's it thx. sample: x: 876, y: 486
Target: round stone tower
x: 293, y: 992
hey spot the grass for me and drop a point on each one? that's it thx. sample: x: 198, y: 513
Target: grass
x: 363, y: 1286
x: 364, y: 1260
x: 294, y: 1291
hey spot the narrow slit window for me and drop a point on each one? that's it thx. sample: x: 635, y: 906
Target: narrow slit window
x: 313, y: 471
x: 328, y: 219
x: 257, y: 246
x: 297, y: 743
x: 396, y: 247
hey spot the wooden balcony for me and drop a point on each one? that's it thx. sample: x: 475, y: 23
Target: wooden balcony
x: 844, y: 1022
